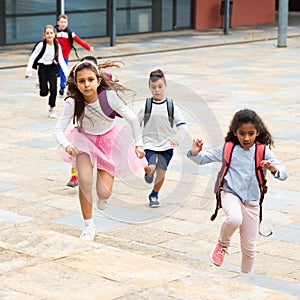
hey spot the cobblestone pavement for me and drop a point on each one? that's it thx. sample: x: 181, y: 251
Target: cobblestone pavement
x: 143, y: 253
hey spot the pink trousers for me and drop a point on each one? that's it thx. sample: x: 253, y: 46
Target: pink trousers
x: 246, y: 218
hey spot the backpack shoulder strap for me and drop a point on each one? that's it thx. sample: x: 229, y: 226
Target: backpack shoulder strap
x: 108, y: 111
x: 261, y: 178
x: 71, y: 40
x: 35, y: 63
x: 56, y: 50
x: 170, y: 108
x: 226, y: 159
x: 70, y: 36
x: 69, y: 31
x: 148, y: 109
x: 259, y: 156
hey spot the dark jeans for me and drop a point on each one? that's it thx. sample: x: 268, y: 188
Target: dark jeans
x: 48, y: 74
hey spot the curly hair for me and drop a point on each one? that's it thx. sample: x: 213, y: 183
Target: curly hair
x: 249, y: 116
x: 107, y: 83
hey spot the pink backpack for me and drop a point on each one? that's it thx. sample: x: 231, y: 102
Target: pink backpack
x: 227, y: 154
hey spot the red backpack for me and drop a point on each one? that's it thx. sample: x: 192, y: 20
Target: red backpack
x: 227, y: 154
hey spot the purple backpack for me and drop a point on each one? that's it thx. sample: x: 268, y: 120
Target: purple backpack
x: 108, y: 111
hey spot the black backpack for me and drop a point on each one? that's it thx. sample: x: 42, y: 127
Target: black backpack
x: 35, y: 63
x: 71, y: 40
x: 148, y: 108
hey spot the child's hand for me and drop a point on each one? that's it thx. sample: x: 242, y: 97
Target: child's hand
x: 72, y: 150
x: 196, y: 146
x: 174, y: 143
x: 27, y: 76
x: 268, y: 165
x: 139, y: 151
x: 92, y: 49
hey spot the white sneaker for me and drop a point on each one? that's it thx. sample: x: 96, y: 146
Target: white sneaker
x: 52, y: 114
x: 101, y: 204
x: 88, y: 233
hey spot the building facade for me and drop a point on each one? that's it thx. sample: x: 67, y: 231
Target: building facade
x: 22, y: 21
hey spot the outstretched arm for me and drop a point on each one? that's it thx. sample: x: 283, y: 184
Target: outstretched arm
x: 82, y: 43
x: 272, y: 164
x: 269, y: 166
x: 196, y: 146
x: 204, y: 157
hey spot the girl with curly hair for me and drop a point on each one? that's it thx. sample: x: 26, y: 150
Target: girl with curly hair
x: 240, y: 193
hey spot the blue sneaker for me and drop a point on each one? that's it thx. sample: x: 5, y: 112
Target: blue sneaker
x: 153, y: 201
x: 149, y: 177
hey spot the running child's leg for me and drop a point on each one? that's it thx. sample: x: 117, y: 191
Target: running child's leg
x: 104, y: 187
x: 248, y: 234
x: 85, y: 172
x: 232, y: 207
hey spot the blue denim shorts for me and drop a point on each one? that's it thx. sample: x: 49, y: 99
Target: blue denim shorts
x: 160, y: 159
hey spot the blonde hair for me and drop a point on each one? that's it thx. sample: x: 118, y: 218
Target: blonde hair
x: 51, y: 27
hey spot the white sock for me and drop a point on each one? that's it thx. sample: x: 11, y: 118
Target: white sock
x: 88, y: 222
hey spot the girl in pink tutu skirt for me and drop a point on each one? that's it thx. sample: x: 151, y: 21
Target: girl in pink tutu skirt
x: 97, y: 139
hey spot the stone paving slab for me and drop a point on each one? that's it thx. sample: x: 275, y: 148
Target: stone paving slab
x: 141, y: 253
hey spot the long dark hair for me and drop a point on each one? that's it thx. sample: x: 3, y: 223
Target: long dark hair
x: 107, y: 83
x: 54, y: 40
x: 249, y: 116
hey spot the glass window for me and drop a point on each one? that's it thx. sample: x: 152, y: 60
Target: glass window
x: 133, y: 21
x: 24, y: 29
x: 91, y: 24
x: 29, y: 6
x: 183, y: 13
x: 73, y: 5
x: 167, y: 15
x: 133, y: 3
x: 25, y: 19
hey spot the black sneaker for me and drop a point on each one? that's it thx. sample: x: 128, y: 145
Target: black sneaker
x: 61, y: 91
x: 153, y: 201
x: 149, y: 177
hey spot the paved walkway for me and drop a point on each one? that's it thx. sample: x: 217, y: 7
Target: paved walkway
x: 143, y: 253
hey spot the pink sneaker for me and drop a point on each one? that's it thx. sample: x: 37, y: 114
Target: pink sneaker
x: 217, y: 257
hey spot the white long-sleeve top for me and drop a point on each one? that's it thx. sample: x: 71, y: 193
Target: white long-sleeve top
x: 47, y: 58
x: 95, y: 121
x: 158, y: 133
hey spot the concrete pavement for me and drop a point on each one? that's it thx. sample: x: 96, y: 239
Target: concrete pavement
x: 143, y: 253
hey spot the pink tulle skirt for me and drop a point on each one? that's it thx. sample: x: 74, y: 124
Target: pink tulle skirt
x: 113, y: 152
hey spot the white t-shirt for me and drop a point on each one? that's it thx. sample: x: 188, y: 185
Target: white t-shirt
x: 158, y: 133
